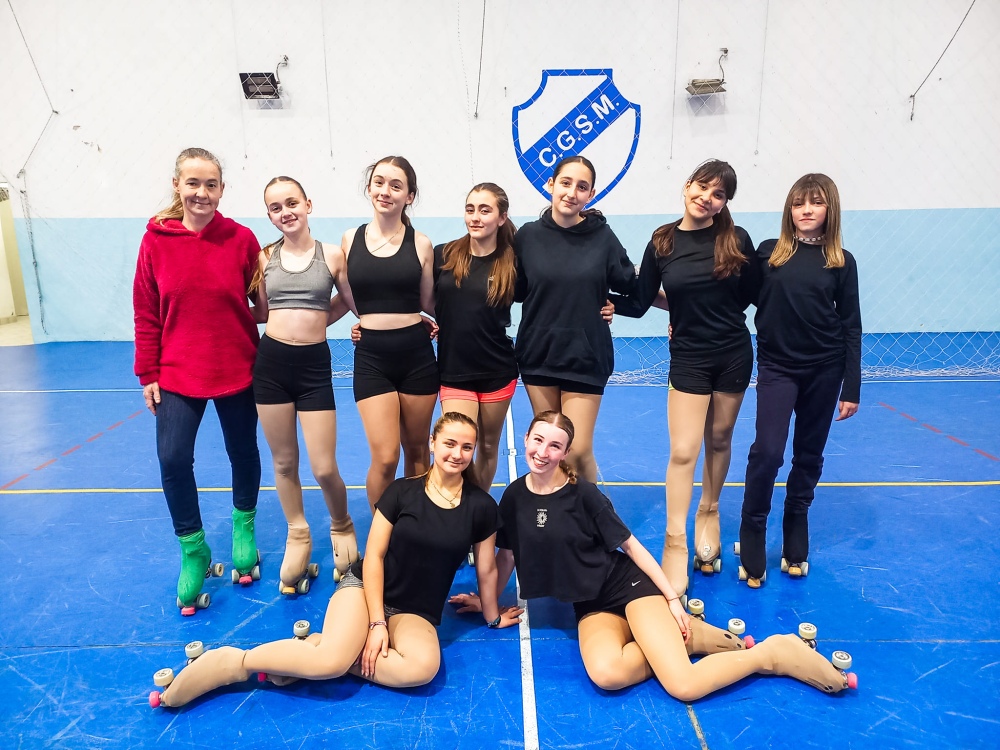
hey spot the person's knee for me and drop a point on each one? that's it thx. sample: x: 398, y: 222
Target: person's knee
x: 606, y: 672
x: 681, y: 689
x: 326, y: 473
x: 286, y: 464
x: 682, y: 455
x: 422, y: 667
x: 721, y: 439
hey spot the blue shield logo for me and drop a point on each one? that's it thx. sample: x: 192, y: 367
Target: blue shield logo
x: 576, y: 112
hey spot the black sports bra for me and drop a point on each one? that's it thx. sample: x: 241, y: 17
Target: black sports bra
x: 384, y: 285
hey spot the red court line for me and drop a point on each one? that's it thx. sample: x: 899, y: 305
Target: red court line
x: 883, y: 403
x: 960, y: 442
x: 133, y: 416
x: 13, y: 482
x: 47, y: 463
x: 92, y: 438
x: 930, y: 427
x: 74, y: 448
x: 116, y: 424
x: 984, y: 453
x: 904, y: 414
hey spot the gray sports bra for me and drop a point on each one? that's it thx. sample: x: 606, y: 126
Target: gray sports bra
x: 308, y: 289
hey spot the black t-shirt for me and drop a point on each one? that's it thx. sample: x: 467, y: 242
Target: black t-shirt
x: 429, y: 543
x: 563, y: 277
x: 563, y: 543
x: 707, y: 313
x: 473, y: 344
x: 808, y: 315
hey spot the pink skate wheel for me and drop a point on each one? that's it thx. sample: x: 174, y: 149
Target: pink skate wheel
x: 188, y: 611
x: 852, y: 681
x: 748, y: 641
x: 245, y: 579
x: 154, y: 699
x: 262, y: 677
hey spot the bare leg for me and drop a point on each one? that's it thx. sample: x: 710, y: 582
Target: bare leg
x: 686, y: 417
x: 414, y: 653
x: 582, y: 409
x: 415, y: 413
x: 491, y: 420
x: 720, y: 421
x: 380, y: 416
x: 611, y: 656
x: 544, y: 398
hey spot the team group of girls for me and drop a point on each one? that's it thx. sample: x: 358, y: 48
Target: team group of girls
x: 197, y: 269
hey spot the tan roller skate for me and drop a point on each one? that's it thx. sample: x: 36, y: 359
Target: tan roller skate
x: 206, y: 670
x: 791, y: 655
x: 345, y: 546
x: 707, y: 547
x: 296, y: 570
x: 675, y: 564
x: 708, y: 639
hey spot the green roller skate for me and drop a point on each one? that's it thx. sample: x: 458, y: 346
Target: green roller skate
x: 196, y: 566
x: 246, y: 556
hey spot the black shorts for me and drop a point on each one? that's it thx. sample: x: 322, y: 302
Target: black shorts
x: 727, y: 371
x: 400, y: 360
x: 625, y: 583
x: 287, y: 374
x: 568, y: 386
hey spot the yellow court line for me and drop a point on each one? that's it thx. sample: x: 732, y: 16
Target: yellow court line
x: 141, y: 490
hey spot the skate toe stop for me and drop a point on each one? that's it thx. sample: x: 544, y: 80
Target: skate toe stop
x: 748, y: 641
x: 154, y: 699
x: 852, y: 681
x: 187, y: 611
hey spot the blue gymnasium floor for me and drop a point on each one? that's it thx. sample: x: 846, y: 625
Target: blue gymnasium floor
x: 905, y: 576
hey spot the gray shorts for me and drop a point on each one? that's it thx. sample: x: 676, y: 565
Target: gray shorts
x: 352, y: 580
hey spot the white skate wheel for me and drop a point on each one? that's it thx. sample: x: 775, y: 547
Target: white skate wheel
x: 180, y: 604
x: 717, y: 565
x: 736, y: 548
x: 258, y: 557
x: 164, y: 677
x: 218, y: 569
x: 337, y: 575
x: 742, y: 574
x: 202, y: 601
x: 804, y: 567
x: 235, y: 575
x: 784, y: 565
x: 302, y: 587
x: 841, y: 660
x: 807, y: 631
x: 301, y: 628
x: 313, y: 570
x: 255, y: 573
x: 737, y: 626
x: 194, y: 649
x: 696, y: 606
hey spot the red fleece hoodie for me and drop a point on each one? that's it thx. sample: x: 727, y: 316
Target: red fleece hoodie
x: 194, y: 331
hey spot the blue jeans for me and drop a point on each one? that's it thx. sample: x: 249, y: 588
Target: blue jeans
x: 177, y: 421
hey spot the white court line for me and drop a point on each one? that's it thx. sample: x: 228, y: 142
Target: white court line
x: 524, y: 629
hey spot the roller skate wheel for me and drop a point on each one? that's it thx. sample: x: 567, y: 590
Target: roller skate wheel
x: 218, y: 569
x: 742, y: 573
x: 804, y: 567
x: 807, y: 631
x: 163, y: 677
x: 737, y: 626
x: 302, y: 587
x: 194, y: 649
x: 187, y: 611
x: 301, y: 628
x: 255, y: 573
x: 235, y: 575
x: 696, y: 607
x: 717, y: 565
x: 852, y: 681
x: 736, y: 548
x: 748, y: 641
x: 154, y: 699
x: 841, y: 660
x: 784, y: 565
x: 180, y: 604
x: 202, y: 601
x: 337, y: 575
x: 258, y: 557
x: 313, y: 570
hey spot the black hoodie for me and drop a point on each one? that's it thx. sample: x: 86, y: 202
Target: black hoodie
x: 563, y: 278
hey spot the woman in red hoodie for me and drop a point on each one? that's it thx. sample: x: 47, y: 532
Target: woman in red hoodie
x: 195, y: 341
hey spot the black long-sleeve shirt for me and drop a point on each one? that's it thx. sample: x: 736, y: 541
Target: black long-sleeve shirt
x: 707, y: 313
x: 563, y: 277
x: 808, y: 315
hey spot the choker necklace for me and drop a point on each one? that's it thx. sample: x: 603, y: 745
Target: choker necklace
x: 810, y: 240
x: 452, y: 500
x: 386, y: 242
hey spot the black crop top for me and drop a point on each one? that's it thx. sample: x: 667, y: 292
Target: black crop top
x: 384, y: 285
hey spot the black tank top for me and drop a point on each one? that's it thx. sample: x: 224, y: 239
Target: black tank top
x: 384, y: 285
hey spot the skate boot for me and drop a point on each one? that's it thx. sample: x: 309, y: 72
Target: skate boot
x: 795, y: 550
x: 708, y: 639
x: 675, y: 563
x: 345, y: 546
x: 196, y: 566
x: 296, y: 570
x: 212, y: 669
x: 789, y: 655
x: 246, y: 556
x: 707, y: 546
x: 753, y: 556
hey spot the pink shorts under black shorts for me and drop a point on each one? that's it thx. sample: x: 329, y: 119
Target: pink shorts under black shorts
x: 504, y: 394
